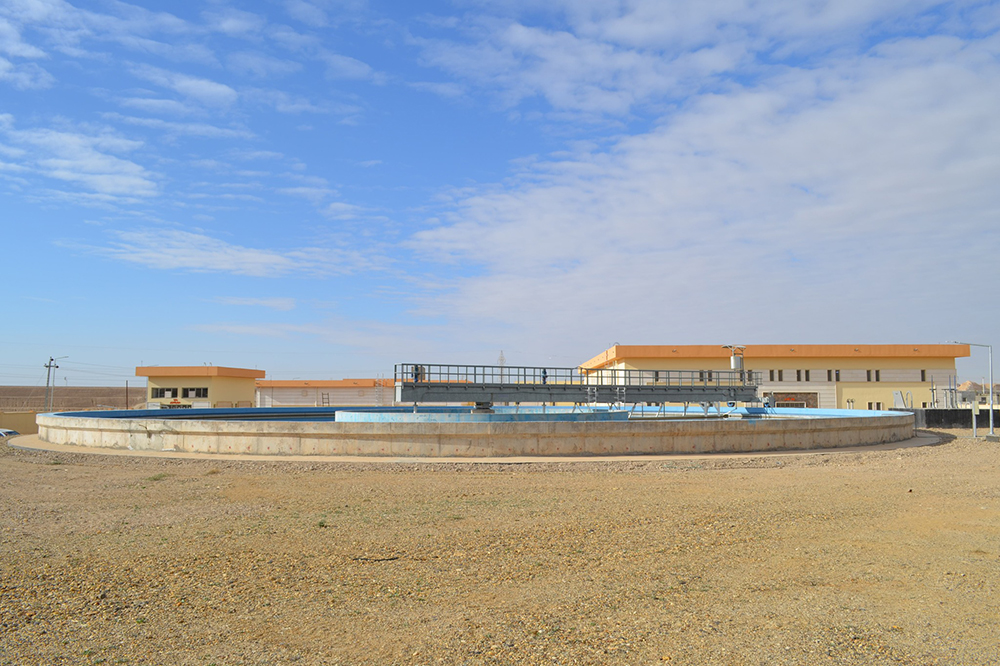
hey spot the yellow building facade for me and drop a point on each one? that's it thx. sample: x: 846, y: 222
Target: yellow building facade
x: 823, y: 376
x: 207, y: 386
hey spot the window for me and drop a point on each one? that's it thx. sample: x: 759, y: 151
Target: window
x: 771, y: 375
x: 195, y: 392
x: 923, y: 405
x: 876, y: 406
x: 878, y: 375
x: 836, y: 375
x: 829, y: 375
x: 869, y: 374
x: 807, y: 375
x: 163, y: 393
x: 704, y: 376
x: 781, y: 375
x: 798, y: 375
x: 923, y: 375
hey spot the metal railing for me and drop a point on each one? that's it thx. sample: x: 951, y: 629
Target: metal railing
x: 505, y: 375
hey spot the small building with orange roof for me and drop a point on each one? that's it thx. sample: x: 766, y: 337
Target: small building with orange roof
x: 199, y: 386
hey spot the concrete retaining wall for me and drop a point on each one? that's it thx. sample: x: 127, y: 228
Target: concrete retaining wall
x: 476, y: 439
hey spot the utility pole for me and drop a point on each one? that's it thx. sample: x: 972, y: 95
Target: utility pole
x: 50, y: 366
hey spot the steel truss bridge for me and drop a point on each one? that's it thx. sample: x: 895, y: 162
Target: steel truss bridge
x: 487, y: 384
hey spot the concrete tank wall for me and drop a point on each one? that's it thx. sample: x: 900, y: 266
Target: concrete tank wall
x: 477, y: 439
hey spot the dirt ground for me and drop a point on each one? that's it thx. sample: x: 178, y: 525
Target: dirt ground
x: 883, y: 557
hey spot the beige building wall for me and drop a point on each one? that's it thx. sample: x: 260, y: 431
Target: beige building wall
x: 22, y: 422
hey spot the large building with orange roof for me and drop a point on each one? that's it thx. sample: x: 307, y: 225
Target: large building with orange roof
x: 824, y: 376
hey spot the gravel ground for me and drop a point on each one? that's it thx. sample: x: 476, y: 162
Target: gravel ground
x: 885, y: 557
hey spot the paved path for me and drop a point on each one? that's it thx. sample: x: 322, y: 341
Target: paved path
x: 921, y: 438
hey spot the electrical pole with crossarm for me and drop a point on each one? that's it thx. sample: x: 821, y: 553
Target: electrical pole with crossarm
x: 50, y: 366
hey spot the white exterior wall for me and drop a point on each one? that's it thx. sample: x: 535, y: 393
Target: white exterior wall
x: 353, y: 396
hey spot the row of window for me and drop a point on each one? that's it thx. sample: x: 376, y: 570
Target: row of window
x: 173, y: 393
x: 802, y: 375
x: 832, y: 375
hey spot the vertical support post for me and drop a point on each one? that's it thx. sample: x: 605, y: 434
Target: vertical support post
x: 991, y: 391
x: 975, y: 411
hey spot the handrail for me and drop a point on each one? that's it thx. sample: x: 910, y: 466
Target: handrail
x: 424, y: 374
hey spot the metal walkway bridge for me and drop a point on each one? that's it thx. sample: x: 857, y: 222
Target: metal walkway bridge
x: 485, y: 384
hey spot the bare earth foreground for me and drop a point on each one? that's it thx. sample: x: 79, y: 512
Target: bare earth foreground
x: 882, y: 557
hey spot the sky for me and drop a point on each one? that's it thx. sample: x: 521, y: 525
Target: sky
x: 324, y: 188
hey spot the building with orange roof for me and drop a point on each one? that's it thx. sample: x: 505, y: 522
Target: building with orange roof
x: 199, y: 386
x: 824, y: 376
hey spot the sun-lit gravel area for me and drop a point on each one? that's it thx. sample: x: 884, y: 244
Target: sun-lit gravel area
x: 881, y: 557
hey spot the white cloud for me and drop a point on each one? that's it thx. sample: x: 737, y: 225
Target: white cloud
x: 313, y: 194
x: 306, y: 12
x: 258, y: 330
x: 252, y: 155
x: 804, y: 194
x: 260, y: 65
x: 197, y: 252
x: 601, y: 58
x: 339, y: 210
x: 189, y: 129
x: 25, y: 76
x: 12, y: 44
x: 345, y: 67
x: 234, y: 22
x: 292, y: 39
x: 66, y: 28
x: 209, y: 93
x: 92, y: 161
x: 155, y: 105
x: 284, y: 102
x: 282, y: 304
x: 445, y: 89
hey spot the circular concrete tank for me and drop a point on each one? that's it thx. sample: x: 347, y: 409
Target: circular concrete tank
x: 462, y: 432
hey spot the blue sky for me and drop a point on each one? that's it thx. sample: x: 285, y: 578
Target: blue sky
x: 322, y: 189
